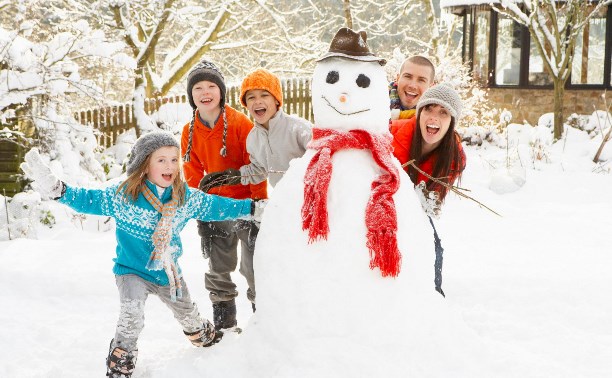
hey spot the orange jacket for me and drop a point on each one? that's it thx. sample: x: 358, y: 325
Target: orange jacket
x: 206, y: 158
x: 403, y: 132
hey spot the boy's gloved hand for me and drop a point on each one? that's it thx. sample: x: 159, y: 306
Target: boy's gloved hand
x: 257, y: 209
x: 212, y: 180
x: 430, y: 201
x: 43, y: 179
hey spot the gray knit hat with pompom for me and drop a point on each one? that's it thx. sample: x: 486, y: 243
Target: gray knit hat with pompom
x: 445, y: 95
x: 146, y: 145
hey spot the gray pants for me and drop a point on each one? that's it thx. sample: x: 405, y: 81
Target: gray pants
x: 220, y: 244
x: 133, y: 292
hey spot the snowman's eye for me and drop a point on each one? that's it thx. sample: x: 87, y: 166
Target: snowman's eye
x: 332, y: 77
x: 362, y: 81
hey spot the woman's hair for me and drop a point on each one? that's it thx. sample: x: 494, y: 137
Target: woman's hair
x: 133, y: 185
x: 449, y: 162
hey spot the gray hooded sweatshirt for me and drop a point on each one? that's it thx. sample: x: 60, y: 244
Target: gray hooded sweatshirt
x: 271, y: 150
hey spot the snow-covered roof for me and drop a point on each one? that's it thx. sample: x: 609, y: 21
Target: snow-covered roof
x: 464, y: 3
x: 460, y: 3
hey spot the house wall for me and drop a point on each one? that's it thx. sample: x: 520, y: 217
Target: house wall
x: 529, y: 104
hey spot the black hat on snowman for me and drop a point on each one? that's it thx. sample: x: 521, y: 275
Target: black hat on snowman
x: 353, y: 45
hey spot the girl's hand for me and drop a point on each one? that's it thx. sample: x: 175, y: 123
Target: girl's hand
x: 257, y: 209
x: 43, y: 179
x: 430, y: 201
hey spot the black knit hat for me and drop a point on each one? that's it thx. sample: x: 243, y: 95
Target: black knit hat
x: 205, y: 70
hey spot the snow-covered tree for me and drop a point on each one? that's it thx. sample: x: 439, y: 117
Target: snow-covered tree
x: 39, y: 78
x: 554, y: 27
x: 167, y: 38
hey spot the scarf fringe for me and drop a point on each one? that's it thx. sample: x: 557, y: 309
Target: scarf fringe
x: 316, y: 184
x: 316, y: 217
x: 176, y: 289
x: 155, y: 264
x: 384, y: 253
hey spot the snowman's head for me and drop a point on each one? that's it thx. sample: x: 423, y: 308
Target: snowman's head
x: 350, y: 94
x: 349, y: 86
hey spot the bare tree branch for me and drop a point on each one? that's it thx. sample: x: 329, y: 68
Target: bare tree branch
x: 454, y: 189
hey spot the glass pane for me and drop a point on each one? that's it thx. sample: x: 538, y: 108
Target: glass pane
x: 537, y: 72
x: 481, y: 47
x: 467, y: 54
x: 588, y: 64
x: 508, y: 54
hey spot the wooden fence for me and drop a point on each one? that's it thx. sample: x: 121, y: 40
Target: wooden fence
x: 11, y: 155
x: 111, y: 121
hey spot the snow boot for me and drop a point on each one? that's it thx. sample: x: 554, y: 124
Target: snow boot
x: 205, y: 337
x: 120, y: 363
x: 224, y: 314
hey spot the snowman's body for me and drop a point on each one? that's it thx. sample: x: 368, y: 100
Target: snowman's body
x: 325, y: 290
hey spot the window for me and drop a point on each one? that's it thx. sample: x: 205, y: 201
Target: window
x: 482, y: 27
x: 537, y: 72
x: 508, y: 54
x: 589, y: 53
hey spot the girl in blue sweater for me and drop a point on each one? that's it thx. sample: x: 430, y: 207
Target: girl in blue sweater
x: 150, y: 208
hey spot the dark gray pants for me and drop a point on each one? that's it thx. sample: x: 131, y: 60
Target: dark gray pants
x: 439, y: 258
x: 220, y: 245
x: 133, y: 293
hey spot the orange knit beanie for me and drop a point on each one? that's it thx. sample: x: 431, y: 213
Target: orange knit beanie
x: 262, y: 79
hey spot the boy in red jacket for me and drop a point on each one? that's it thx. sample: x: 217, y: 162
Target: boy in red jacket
x: 213, y: 142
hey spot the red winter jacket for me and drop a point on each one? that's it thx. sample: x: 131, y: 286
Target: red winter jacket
x: 205, y: 156
x: 403, y: 132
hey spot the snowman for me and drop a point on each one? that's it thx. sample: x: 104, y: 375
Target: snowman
x: 344, y: 259
x: 345, y: 254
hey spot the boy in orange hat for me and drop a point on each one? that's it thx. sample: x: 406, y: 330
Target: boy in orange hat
x: 276, y: 139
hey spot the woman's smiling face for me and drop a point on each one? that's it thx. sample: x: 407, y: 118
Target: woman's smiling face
x: 434, y: 122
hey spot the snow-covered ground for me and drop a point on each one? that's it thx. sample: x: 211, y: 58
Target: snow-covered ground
x: 532, y: 285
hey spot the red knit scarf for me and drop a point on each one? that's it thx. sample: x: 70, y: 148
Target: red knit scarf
x: 380, y: 217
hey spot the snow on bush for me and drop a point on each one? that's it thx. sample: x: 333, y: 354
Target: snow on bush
x: 21, y: 215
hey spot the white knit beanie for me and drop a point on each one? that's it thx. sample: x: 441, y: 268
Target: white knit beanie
x: 442, y: 94
x: 146, y: 145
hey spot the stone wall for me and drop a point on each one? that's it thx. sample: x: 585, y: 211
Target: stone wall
x: 529, y: 104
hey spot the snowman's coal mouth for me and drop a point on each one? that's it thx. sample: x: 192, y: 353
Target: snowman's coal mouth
x: 343, y: 113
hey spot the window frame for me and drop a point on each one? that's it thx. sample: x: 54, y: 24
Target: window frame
x: 525, y: 53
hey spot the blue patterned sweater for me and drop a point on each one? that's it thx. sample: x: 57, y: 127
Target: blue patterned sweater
x: 136, y: 222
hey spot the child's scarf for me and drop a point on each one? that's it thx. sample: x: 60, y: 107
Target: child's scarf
x: 380, y: 217
x: 160, y: 257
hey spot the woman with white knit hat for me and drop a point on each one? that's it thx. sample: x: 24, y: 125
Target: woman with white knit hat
x: 430, y: 140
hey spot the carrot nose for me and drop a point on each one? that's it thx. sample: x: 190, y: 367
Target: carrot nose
x: 343, y: 98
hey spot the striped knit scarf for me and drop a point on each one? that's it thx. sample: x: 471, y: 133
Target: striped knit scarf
x: 380, y: 217
x: 160, y: 257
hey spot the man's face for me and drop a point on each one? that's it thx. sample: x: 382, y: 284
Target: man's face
x: 412, y: 81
